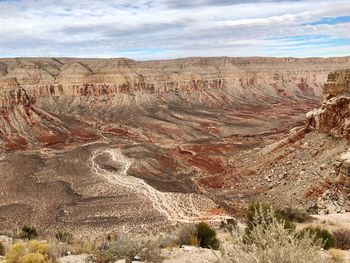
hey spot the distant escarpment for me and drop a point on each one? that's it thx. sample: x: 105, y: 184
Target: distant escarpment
x: 37, y: 95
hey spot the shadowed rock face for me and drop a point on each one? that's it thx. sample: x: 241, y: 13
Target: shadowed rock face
x: 181, y: 125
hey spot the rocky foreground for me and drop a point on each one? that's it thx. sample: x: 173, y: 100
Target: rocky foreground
x: 94, y: 146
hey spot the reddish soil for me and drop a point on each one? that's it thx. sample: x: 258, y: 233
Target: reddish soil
x: 52, y: 139
x: 216, y: 182
x: 84, y: 135
x: 15, y: 144
x: 319, y: 190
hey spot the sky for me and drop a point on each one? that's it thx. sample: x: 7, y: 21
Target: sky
x: 164, y: 29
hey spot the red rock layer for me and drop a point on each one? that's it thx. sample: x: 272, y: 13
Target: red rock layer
x: 37, y: 95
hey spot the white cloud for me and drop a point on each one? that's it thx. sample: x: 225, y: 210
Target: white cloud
x: 149, y: 29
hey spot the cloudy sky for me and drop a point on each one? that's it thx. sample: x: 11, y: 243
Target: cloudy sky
x: 155, y: 29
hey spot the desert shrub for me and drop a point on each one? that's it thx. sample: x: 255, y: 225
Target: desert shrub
x: 17, y: 251
x: 187, y: 235
x: 337, y: 255
x: 2, y: 249
x: 206, y: 236
x: 229, y: 225
x: 28, y: 252
x: 27, y: 232
x: 38, y: 246
x: 123, y: 247
x: 64, y: 237
x: 150, y: 252
x: 295, y: 215
x: 34, y: 258
x: 167, y: 241
x: 272, y: 242
x: 321, y: 235
x: 58, y: 249
x: 342, y: 239
x: 259, y: 212
x: 262, y: 215
x: 84, y: 245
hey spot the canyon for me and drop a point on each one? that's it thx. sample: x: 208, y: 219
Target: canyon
x: 99, y: 145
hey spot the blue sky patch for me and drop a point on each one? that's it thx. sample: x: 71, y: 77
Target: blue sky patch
x: 331, y: 20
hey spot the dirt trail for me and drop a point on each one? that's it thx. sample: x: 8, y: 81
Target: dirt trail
x: 177, y: 207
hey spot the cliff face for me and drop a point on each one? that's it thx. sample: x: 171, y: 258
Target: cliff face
x: 333, y: 116
x: 36, y: 95
x: 338, y: 84
x: 43, y: 78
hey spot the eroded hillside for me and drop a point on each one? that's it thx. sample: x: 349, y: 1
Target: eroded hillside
x: 94, y: 145
x: 310, y: 167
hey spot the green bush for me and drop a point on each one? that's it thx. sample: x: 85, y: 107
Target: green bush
x: 27, y: 232
x: 2, y: 249
x: 342, y: 239
x: 319, y: 234
x: 207, y: 236
x: 64, y: 237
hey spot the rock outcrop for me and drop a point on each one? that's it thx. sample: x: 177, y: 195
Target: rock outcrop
x: 333, y: 117
x: 334, y: 114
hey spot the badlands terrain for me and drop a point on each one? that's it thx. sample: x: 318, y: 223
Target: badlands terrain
x: 99, y: 145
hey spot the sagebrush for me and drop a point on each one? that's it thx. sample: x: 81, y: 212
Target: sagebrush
x: 271, y: 241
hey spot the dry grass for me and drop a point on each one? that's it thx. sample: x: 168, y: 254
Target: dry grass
x: 187, y: 235
x: 124, y: 247
x: 342, y: 239
x: 58, y: 249
x: 337, y: 255
x: 270, y: 241
x: 28, y: 252
x: 85, y: 246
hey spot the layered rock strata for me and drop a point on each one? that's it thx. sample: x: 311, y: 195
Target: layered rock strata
x: 36, y: 93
